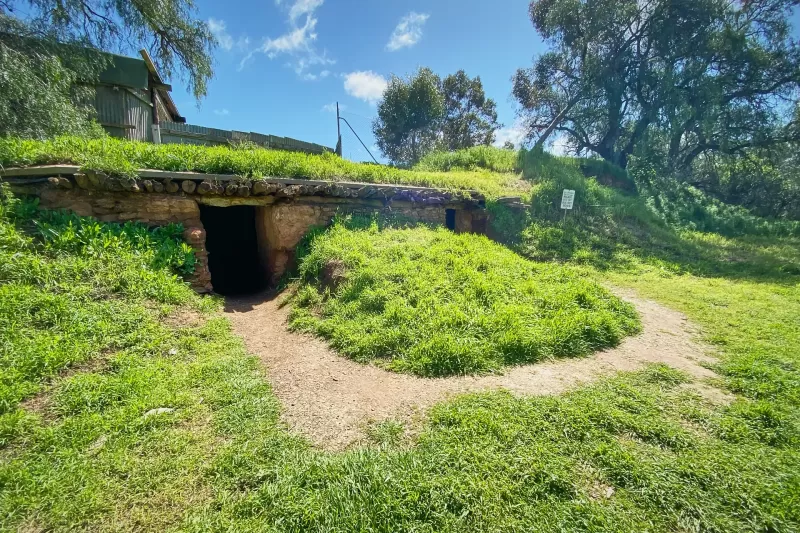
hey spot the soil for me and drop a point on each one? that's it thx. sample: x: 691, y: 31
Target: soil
x: 332, y: 400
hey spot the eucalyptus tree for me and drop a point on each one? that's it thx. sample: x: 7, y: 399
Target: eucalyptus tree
x: 470, y: 118
x: 700, y: 76
x: 409, y: 117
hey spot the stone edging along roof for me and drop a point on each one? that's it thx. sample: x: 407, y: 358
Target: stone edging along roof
x: 63, y: 176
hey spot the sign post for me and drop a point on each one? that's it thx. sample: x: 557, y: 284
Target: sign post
x: 567, y: 201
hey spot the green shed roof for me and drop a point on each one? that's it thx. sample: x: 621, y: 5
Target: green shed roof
x: 125, y: 71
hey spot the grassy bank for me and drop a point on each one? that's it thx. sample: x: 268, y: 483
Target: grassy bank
x: 434, y: 303
x: 122, y: 157
x: 641, y: 451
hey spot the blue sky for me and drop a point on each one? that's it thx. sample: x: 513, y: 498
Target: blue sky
x: 281, y: 64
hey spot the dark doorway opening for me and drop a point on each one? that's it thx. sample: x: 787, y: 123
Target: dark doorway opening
x: 232, y: 244
x: 450, y: 219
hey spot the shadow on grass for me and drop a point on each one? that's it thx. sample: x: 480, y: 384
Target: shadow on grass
x: 625, y: 243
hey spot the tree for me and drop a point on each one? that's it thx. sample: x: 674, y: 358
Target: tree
x: 423, y: 113
x: 701, y: 76
x: 409, y: 117
x: 470, y: 119
x: 45, y: 53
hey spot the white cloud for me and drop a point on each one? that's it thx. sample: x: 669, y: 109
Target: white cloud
x: 303, y: 7
x: 222, y: 112
x: 297, y: 42
x: 408, y: 31
x: 365, y: 85
x: 298, y: 39
x: 331, y: 108
x: 515, y: 133
x: 220, y: 30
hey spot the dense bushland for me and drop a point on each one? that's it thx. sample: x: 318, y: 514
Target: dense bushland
x: 434, y: 303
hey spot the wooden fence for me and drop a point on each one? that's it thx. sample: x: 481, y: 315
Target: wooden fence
x: 176, y: 133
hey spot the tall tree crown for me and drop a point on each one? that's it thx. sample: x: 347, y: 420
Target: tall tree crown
x: 707, y: 75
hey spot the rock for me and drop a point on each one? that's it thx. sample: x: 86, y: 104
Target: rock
x: 63, y: 183
x: 83, y: 181
x: 243, y: 190
x: 188, y: 186
x: 259, y: 188
x: 148, y: 185
x: 158, y: 186
x: 231, y: 189
x: 159, y: 411
x: 97, y: 179
x: 194, y: 235
x: 97, y: 445
x: 333, y: 273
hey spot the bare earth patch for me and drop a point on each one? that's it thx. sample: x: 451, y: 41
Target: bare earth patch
x: 331, y: 399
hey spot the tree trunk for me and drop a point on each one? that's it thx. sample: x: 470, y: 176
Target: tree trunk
x: 556, y: 121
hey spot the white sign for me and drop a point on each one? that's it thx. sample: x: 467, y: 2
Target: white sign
x: 567, y: 199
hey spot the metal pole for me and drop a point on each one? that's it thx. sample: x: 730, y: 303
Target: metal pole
x: 359, y: 140
x: 338, y: 132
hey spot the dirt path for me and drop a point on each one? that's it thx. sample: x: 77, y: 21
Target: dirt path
x: 331, y: 399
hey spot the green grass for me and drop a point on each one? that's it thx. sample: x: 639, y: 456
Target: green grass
x: 638, y: 452
x: 126, y: 157
x: 477, y: 157
x: 434, y: 303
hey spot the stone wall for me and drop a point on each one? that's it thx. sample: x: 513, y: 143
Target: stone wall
x: 281, y: 222
x: 283, y: 225
x: 155, y: 209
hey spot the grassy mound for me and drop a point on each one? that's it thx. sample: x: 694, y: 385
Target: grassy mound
x: 434, y: 303
x: 477, y: 157
x: 126, y: 157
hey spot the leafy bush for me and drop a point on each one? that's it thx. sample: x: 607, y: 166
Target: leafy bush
x: 607, y: 173
x: 434, y: 303
x: 687, y: 207
x: 477, y: 157
x: 58, y: 283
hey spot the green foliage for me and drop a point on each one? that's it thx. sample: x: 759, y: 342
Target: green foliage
x: 765, y: 181
x: 126, y: 157
x: 640, y: 451
x: 433, y: 303
x: 424, y: 113
x: 693, y: 77
x: 686, y: 206
x: 57, y: 305
x: 57, y: 105
x: 177, y: 41
x: 477, y: 157
x: 660, y: 226
x: 409, y: 116
x: 470, y: 119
